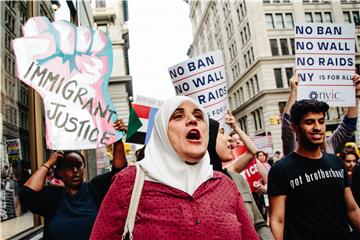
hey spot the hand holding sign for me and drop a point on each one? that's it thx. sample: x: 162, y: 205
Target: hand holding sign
x: 70, y: 68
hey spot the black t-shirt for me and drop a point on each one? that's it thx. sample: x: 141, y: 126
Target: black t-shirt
x: 314, y: 189
x: 355, y: 187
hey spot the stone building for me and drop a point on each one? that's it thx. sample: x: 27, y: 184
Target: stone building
x: 257, y: 40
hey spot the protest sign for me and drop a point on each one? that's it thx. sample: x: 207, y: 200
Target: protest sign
x: 70, y: 68
x: 13, y: 149
x: 143, y: 111
x: 325, y: 62
x: 252, y: 175
x: 263, y: 143
x: 203, y: 78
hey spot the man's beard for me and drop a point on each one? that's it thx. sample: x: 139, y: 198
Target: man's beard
x: 307, y: 143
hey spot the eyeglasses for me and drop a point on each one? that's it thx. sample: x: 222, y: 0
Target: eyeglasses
x: 71, y: 165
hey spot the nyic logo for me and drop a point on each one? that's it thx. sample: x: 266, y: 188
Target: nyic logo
x: 313, y: 95
x: 324, y: 96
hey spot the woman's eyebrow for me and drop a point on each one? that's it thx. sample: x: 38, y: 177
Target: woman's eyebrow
x: 179, y: 109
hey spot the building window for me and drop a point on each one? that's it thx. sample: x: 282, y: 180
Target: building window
x: 284, y: 46
x: 236, y: 101
x: 249, y: 57
x: 347, y: 17
x: 289, y: 73
x: 318, y: 17
x: 243, y: 124
x: 242, y: 9
x: 252, y: 54
x: 274, y: 47
x: 255, y: 120
x: 257, y: 83
x: 238, y: 97
x: 308, y: 17
x: 281, y: 107
x: 258, y: 119
x: 327, y: 17
x: 292, y: 43
x: 103, y: 27
x: 289, y: 20
x: 245, y: 34
x: 278, y: 78
x: 238, y: 14
x: 356, y: 17
x: 242, y: 98
x: 248, y: 90
x: 279, y: 21
x: 252, y: 86
x: 246, y: 61
x: 248, y: 28
x: 100, y: 3
x: 269, y: 21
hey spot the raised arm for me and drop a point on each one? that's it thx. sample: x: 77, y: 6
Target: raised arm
x: 100, y: 184
x: 344, y: 132
x: 119, y: 157
x: 287, y: 135
x: 37, y: 180
x: 242, y: 161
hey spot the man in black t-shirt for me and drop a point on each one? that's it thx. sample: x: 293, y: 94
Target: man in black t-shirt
x: 309, y: 190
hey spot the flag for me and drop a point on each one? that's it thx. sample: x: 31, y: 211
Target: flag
x: 137, y: 133
x: 134, y: 123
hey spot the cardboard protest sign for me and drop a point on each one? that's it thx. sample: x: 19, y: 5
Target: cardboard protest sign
x: 70, y: 68
x: 325, y: 62
x: 144, y: 110
x: 263, y: 143
x: 203, y: 78
x: 252, y: 175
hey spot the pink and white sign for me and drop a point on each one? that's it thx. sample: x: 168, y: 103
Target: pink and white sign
x: 70, y: 68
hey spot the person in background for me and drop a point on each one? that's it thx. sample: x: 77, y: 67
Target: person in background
x: 274, y: 158
x: 239, y: 137
x: 355, y: 186
x: 263, y: 158
x: 350, y: 159
x: 220, y: 150
x: 336, y: 141
x: 309, y: 191
x: 182, y: 197
x: 70, y: 211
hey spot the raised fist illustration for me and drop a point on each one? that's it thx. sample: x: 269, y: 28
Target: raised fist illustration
x: 70, y: 68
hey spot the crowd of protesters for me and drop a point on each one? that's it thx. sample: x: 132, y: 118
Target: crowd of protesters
x: 190, y: 182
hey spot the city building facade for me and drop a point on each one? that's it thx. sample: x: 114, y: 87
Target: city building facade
x: 111, y: 17
x: 257, y: 41
x: 22, y: 146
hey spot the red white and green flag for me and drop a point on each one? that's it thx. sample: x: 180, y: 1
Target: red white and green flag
x: 141, y: 119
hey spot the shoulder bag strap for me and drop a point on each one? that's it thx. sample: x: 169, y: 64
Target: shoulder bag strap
x: 134, y: 202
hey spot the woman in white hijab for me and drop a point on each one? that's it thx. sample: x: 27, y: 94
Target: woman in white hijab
x: 182, y: 198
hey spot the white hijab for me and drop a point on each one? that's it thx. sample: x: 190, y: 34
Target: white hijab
x: 162, y: 164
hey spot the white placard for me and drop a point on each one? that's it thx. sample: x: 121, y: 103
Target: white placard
x: 203, y: 78
x: 325, y: 62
